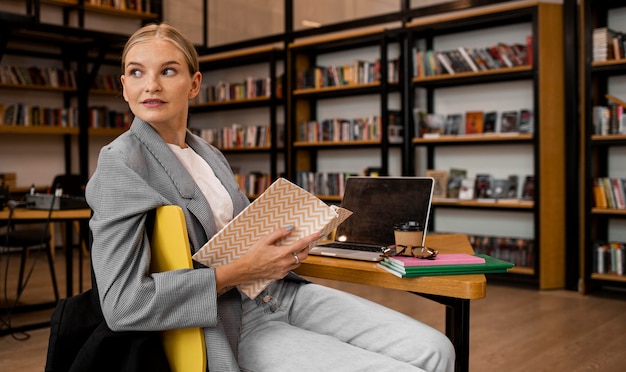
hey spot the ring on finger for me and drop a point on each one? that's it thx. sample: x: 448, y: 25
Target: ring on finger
x: 295, y: 255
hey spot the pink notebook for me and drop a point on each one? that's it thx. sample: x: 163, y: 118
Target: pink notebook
x: 441, y: 259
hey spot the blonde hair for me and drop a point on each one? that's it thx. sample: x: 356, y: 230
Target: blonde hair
x: 166, y: 32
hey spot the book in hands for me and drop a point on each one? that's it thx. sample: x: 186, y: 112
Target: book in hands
x: 283, y: 203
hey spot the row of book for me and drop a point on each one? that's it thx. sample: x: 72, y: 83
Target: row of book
x: 519, y: 251
x: 253, y: 183
x: 341, y: 130
x: 107, y: 82
x: 226, y: 91
x: 360, y: 72
x: 609, y: 119
x: 442, y: 62
x: 136, y: 5
x: 104, y: 117
x: 21, y: 114
x: 430, y: 125
x: 323, y: 183
x: 48, y: 77
x: 455, y: 184
x: 609, y: 258
x: 608, y: 44
x: 609, y: 192
x: 238, y: 136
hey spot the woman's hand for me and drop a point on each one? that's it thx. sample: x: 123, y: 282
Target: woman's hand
x: 265, y: 260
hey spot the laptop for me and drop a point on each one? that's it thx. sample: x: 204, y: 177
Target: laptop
x: 377, y: 203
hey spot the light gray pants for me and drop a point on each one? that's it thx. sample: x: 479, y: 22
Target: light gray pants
x: 307, y: 327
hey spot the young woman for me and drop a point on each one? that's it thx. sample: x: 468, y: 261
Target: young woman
x: 293, y: 325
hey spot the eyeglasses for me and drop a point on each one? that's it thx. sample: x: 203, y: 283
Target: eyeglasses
x: 421, y: 252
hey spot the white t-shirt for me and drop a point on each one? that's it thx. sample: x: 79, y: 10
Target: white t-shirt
x: 211, y: 187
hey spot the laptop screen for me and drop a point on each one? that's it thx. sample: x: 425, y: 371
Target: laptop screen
x: 378, y: 203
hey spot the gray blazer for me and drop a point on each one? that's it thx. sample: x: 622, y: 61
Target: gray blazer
x: 136, y: 173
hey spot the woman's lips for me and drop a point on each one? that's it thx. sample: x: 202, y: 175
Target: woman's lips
x: 153, y: 102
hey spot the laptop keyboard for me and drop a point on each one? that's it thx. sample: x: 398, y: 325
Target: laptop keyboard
x: 354, y: 246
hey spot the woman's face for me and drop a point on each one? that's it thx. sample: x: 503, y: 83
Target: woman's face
x: 157, y: 84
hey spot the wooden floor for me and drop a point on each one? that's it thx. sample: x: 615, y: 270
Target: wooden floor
x: 513, y: 329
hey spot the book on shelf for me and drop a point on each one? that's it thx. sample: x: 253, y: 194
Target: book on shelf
x: 608, y: 188
x: 500, y: 188
x: 473, y: 122
x: 528, y: 188
x: 517, y: 250
x: 490, y: 122
x: 441, y: 182
x: 435, y: 125
x: 608, y: 44
x: 512, y: 193
x: 395, y: 127
x: 282, y: 204
x: 420, y: 121
x: 455, y: 177
x: 599, y: 194
x: 609, y: 192
x: 526, y: 121
x: 483, y: 188
x: 453, y: 124
x: 491, y: 265
x: 466, y: 192
x: 445, y: 62
x: 509, y: 122
x: 468, y: 60
x: 609, y: 258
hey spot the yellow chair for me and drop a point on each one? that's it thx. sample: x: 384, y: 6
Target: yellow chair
x: 184, y: 348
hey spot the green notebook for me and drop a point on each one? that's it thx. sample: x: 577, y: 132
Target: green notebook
x: 492, y: 265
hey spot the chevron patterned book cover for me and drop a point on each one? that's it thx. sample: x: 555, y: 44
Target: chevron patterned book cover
x: 282, y: 204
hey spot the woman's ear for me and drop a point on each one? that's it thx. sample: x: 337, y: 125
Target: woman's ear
x: 122, y: 79
x: 196, y: 81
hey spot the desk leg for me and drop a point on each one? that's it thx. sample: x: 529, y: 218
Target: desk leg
x: 457, y: 327
x: 69, y: 263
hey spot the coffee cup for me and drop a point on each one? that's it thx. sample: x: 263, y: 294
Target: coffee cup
x: 408, y: 234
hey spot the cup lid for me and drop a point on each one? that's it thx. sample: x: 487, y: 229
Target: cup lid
x: 407, y: 226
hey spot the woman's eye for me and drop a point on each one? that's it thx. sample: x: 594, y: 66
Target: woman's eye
x: 169, y: 71
x: 135, y: 73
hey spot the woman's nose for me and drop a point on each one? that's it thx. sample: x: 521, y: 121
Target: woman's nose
x: 152, y: 83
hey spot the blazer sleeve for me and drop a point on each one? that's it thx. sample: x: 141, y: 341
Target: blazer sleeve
x: 132, y: 298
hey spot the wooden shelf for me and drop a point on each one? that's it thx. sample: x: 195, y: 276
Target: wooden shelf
x: 37, y: 87
x: 106, y: 131
x: 609, y: 211
x: 487, y: 137
x: 345, y: 88
x: 608, y: 137
x: 520, y: 204
x: 609, y: 277
x: 227, y: 56
x: 120, y: 12
x: 17, y: 129
x: 263, y: 99
x: 522, y: 270
x: 337, y: 143
x: 482, y: 74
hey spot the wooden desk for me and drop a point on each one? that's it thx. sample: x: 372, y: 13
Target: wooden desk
x: 39, y: 215
x: 454, y: 291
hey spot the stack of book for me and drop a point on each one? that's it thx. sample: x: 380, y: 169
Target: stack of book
x: 444, y: 264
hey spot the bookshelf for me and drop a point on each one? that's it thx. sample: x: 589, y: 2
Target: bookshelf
x: 603, y: 144
x: 240, y: 110
x: 539, y: 85
x: 37, y: 47
x: 342, y: 90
